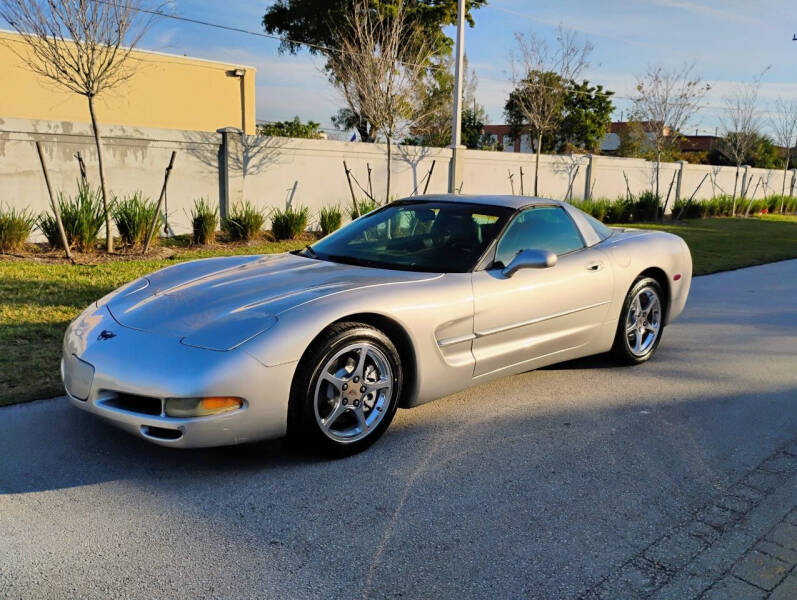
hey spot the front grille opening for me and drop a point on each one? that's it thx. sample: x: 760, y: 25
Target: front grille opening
x: 161, y: 432
x: 144, y: 405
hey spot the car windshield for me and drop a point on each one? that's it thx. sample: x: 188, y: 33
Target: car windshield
x: 428, y: 236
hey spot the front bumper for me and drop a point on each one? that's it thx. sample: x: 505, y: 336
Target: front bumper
x: 145, y: 368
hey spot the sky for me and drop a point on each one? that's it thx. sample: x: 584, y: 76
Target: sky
x: 729, y: 40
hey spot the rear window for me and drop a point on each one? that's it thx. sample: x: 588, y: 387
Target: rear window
x: 600, y: 229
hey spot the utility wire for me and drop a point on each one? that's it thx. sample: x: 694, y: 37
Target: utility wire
x: 323, y: 48
x: 320, y: 47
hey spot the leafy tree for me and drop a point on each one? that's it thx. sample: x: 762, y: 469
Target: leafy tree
x: 293, y: 129
x: 634, y: 142
x: 473, y: 119
x: 587, y: 115
x: 540, y: 74
x: 582, y: 117
x: 318, y: 23
x: 759, y: 151
x: 347, y: 119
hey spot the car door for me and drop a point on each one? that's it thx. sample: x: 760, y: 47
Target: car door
x: 538, y: 313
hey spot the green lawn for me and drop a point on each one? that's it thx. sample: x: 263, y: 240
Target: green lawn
x: 38, y: 300
x: 724, y: 243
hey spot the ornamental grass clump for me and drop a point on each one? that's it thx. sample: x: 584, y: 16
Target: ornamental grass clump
x: 363, y: 207
x: 15, y: 227
x: 330, y: 219
x: 82, y: 215
x: 244, y: 222
x: 204, y: 220
x: 290, y: 223
x: 133, y: 215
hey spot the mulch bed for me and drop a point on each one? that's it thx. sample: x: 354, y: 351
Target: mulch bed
x: 166, y: 248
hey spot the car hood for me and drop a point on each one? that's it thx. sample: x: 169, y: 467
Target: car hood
x: 220, y: 303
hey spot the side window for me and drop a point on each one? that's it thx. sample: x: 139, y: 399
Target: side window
x: 539, y: 228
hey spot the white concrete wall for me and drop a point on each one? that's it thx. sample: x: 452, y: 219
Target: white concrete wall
x: 265, y: 170
x: 135, y: 159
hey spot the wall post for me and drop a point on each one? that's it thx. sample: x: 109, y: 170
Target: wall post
x: 793, y: 181
x: 456, y: 169
x: 588, y: 178
x: 744, y: 181
x: 230, y: 169
x: 679, y: 180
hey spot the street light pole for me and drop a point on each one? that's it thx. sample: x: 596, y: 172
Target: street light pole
x: 457, y: 149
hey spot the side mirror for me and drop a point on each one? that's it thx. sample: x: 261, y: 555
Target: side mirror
x: 530, y: 259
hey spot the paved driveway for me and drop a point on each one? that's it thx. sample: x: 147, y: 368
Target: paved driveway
x: 540, y: 485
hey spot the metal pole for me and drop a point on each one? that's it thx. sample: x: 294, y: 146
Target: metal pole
x: 455, y: 172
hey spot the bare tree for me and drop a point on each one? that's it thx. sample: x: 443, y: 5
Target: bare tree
x: 540, y: 76
x: 741, y: 126
x: 379, y: 69
x: 83, y: 46
x: 784, y: 126
x: 665, y: 101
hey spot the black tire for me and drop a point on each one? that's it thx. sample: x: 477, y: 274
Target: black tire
x: 304, y: 429
x: 623, y: 350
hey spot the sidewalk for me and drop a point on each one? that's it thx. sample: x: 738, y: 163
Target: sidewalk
x: 742, y: 545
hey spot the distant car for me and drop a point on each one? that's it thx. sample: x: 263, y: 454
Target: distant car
x: 419, y: 299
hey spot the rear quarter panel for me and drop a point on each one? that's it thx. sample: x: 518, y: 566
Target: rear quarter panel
x: 634, y: 251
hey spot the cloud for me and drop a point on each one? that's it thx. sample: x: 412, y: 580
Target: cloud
x: 709, y: 11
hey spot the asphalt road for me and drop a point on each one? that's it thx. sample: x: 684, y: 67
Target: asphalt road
x: 533, y: 486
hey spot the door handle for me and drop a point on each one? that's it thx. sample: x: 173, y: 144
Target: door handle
x: 596, y: 266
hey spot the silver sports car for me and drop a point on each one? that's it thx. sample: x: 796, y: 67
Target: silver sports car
x: 416, y: 300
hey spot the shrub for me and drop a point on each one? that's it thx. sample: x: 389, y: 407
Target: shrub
x: 789, y: 204
x: 364, y: 207
x: 244, y: 222
x: 15, y: 227
x: 203, y: 222
x: 289, y: 224
x: 330, y: 219
x: 82, y: 216
x: 757, y: 207
x: 691, y: 210
x: 645, y: 207
x: 133, y: 216
x: 620, y: 211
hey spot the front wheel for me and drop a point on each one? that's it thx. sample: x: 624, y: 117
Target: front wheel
x: 641, y: 322
x: 346, y: 390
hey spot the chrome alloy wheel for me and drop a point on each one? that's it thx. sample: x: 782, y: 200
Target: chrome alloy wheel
x: 643, y: 321
x: 353, y: 392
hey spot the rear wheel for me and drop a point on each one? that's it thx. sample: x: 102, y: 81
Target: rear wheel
x: 346, y: 390
x: 641, y: 322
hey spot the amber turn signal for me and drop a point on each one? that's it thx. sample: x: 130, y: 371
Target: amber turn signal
x: 201, y: 407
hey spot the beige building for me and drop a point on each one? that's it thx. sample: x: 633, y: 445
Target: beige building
x: 166, y: 92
